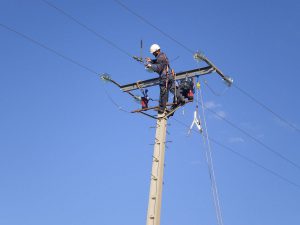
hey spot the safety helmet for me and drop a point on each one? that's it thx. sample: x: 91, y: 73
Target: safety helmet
x: 154, y: 48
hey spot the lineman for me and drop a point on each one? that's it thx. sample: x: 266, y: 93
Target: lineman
x: 161, y: 66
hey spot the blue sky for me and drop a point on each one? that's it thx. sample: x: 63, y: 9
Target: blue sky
x: 69, y: 156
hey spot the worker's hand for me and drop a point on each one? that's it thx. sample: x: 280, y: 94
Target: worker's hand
x: 148, y: 59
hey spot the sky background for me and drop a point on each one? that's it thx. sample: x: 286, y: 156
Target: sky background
x: 69, y: 156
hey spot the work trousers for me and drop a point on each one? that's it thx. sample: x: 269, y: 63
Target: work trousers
x: 165, y: 88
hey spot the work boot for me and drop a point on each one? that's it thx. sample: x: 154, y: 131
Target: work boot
x: 160, y: 110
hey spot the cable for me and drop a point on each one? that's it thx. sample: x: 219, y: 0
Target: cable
x: 150, y: 24
x: 47, y: 48
x: 245, y: 157
x: 255, y: 139
x: 267, y: 108
x: 64, y: 57
x: 87, y: 28
x: 114, y: 102
x: 256, y: 163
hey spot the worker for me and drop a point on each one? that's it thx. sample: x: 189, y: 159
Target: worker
x: 161, y: 66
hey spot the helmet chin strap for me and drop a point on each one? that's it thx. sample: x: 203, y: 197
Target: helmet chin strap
x: 156, y: 53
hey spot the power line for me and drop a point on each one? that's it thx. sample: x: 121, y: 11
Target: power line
x: 152, y: 25
x: 191, y: 51
x: 62, y: 56
x: 256, y: 163
x: 88, y: 28
x: 255, y: 139
x: 245, y: 158
x: 267, y: 108
x: 47, y: 48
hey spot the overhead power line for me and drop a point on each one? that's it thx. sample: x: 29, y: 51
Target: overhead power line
x: 152, y: 25
x: 191, y: 51
x: 255, y: 139
x: 244, y: 157
x: 47, y: 48
x: 267, y: 108
x: 87, y: 28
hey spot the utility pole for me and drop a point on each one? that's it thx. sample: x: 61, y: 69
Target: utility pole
x: 156, y: 185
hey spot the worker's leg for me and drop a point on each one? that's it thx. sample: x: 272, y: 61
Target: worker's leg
x: 163, y: 98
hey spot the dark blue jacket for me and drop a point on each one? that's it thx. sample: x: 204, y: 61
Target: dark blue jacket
x: 161, y: 66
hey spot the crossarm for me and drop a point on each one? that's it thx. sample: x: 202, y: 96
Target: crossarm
x: 179, y: 76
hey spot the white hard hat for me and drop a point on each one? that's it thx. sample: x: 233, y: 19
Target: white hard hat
x: 154, y: 48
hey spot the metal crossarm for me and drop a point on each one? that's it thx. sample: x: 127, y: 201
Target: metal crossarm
x: 179, y: 76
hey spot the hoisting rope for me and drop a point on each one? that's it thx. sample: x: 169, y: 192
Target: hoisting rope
x: 208, y: 154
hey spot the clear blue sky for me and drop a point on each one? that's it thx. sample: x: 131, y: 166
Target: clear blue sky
x: 68, y: 156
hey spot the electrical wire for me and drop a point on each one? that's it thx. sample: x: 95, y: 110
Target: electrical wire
x: 267, y: 108
x: 253, y: 162
x: 47, y: 48
x: 30, y: 39
x: 87, y: 28
x: 255, y: 139
x: 152, y: 25
x: 119, y: 107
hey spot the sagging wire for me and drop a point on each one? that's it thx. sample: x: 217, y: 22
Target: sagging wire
x: 119, y: 107
x: 209, y: 160
x: 30, y: 39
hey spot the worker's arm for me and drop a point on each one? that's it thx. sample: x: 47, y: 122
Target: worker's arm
x: 159, y: 64
x: 148, y: 60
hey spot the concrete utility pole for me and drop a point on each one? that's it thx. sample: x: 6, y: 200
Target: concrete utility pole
x: 156, y: 185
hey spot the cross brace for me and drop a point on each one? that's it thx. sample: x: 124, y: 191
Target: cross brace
x: 179, y: 76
